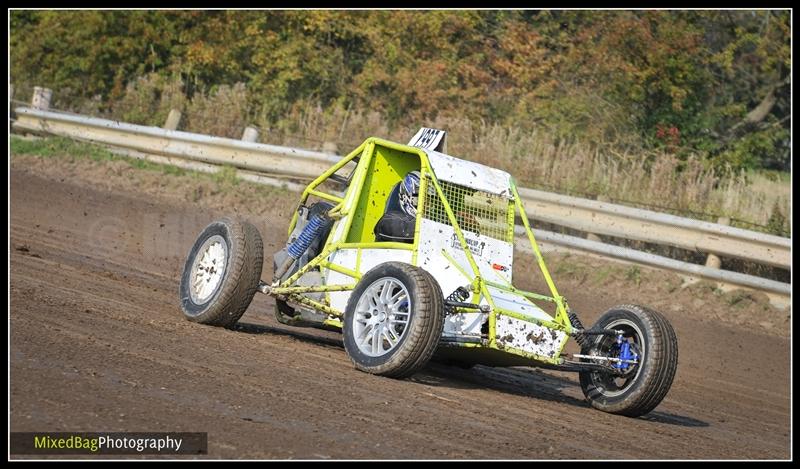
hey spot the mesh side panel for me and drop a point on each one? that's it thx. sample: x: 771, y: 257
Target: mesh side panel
x: 476, y: 211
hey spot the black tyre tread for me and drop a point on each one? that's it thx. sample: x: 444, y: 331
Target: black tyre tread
x: 666, y: 372
x: 242, y: 278
x: 653, y: 396
x: 250, y: 275
x: 419, y: 346
x: 433, y: 333
x: 664, y: 352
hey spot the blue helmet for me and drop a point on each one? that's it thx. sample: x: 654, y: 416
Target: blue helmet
x: 409, y: 193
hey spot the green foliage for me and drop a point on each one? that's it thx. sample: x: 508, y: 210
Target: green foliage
x: 62, y: 147
x: 601, y: 275
x: 58, y: 146
x: 752, y: 149
x: 634, y: 274
x: 739, y: 298
x: 682, y: 82
x: 226, y: 176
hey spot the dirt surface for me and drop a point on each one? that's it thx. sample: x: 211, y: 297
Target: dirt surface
x: 98, y: 343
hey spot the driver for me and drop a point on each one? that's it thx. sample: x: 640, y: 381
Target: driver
x: 400, y: 216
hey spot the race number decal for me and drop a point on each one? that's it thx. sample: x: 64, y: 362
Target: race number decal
x: 429, y: 139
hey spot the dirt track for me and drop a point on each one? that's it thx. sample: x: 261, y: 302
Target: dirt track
x: 98, y: 343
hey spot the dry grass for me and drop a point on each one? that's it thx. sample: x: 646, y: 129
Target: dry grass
x: 536, y: 158
x: 659, y: 181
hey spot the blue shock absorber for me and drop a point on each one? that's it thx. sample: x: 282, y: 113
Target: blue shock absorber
x: 310, y: 232
x: 624, y: 353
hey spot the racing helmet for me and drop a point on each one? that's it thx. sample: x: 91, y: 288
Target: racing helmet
x: 409, y: 193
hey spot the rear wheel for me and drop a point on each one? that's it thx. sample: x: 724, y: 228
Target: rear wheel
x: 628, y: 388
x: 222, y: 273
x: 393, y: 320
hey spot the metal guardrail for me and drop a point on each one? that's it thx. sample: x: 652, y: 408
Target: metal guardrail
x: 582, y: 214
x: 216, y: 150
x: 660, y: 228
x: 661, y: 262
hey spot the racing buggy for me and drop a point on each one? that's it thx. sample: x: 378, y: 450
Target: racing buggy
x: 409, y: 252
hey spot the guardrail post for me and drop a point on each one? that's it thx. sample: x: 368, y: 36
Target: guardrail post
x: 592, y: 236
x: 713, y: 260
x: 330, y: 147
x: 250, y: 134
x: 41, y: 98
x: 173, y: 120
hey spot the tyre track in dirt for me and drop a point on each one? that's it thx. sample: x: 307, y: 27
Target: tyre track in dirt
x: 98, y: 343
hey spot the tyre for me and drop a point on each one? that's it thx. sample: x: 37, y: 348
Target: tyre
x: 393, y: 320
x: 222, y: 273
x: 640, y: 387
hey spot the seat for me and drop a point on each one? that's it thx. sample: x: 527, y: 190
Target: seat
x: 395, y: 224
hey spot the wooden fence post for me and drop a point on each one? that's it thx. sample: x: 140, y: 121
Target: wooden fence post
x: 592, y: 236
x: 713, y: 260
x: 330, y: 147
x: 250, y: 134
x: 173, y: 120
x: 41, y: 98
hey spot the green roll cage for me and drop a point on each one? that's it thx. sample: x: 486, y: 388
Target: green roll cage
x: 346, y: 205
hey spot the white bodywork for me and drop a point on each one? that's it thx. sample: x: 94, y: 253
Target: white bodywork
x: 494, y: 258
x: 469, y: 174
x: 437, y: 237
x: 457, y: 171
x: 527, y: 336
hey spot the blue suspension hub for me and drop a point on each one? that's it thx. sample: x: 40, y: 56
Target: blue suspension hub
x: 625, y: 353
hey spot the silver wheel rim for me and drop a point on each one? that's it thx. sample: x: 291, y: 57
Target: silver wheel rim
x: 381, y: 317
x: 208, y: 269
x: 629, y: 381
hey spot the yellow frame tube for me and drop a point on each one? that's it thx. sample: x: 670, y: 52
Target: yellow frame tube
x: 312, y: 289
x: 513, y: 289
x: 325, y: 196
x: 341, y: 269
x: 322, y: 177
x: 423, y: 188
x: 478, y: 283
x: 375, y: 245
x: 359, y: 177
x: 455, y: 264
x: 561, y: 312
x: 315, y: 304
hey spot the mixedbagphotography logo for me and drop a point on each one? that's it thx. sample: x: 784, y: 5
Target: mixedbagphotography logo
x: 90, y: 443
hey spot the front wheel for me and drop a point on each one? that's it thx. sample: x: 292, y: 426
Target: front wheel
x: 393, y: 320
x: 222, y: 273
x: 643, y: 362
